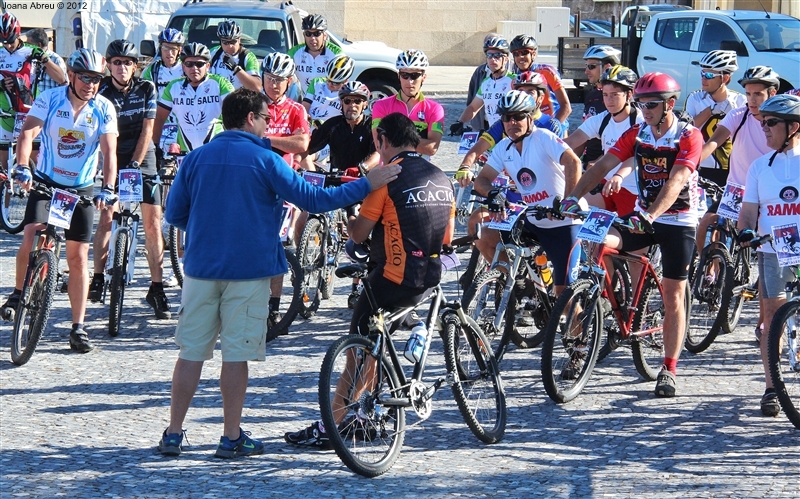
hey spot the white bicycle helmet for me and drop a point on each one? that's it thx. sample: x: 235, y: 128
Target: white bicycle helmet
x: 340, y: 69
x: 278, y: 64
x: 723, y: 61
x: 354, y: 87
x: 496, y: 43
x: 86, y: 60
x: 516, y: 101
x: 229, y: 30
x: 604, y: 53
x: 412, y: 59
x: 761, y: 74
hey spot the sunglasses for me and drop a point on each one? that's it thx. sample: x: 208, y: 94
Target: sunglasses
x: 347, y: 101
x: 771, y: 122
x: 264, y: 117
x: 648, y: 105
x: 123, y: 62
x: 313, y: 34
x: 518, y: 117
x: 89, y: 79
x: 194, y: 64
x: 707, y: 75
x: 520, y: 53
x: 591, y: 66
x: 495, y: 55
x: 411, y: 76
x: 229, y: 42
x: 336, y: 83
x: 275, y: 79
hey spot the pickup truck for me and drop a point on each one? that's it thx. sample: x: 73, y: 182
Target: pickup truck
x: 269, y: 27
x: 674, y: 43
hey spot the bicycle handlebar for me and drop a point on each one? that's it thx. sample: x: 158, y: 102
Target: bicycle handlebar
x: 46, y: 190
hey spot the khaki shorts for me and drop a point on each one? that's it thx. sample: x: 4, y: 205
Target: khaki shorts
x: 773, y: 276
x: 234, y: 311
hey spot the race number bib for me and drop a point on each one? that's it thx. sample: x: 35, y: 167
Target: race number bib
x: 596, y: 225
x: 19, y: 120
x: 169, y: 135
x: 314, y: 178
x: 786, y: 241
x: 62, y: 206
x: 130, y: 186
x: 501, y: 181
x: 512, y: 214
x: 468, y: 139
x: 731, y: 201
x: 286, y: 221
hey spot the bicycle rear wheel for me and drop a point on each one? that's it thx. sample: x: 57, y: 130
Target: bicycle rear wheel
x: 117, y: 285
x: 648, y: 349
x: 12, y: 207
x: 291, y: 298
x: 34, y: 308
x: 709, y: 302
x: 527, y: 317
x: 572, y: 341
x: 741, y: 276
x: 482, y: 303
x: 177, y: 239
x: 478, y: 389
x: 311, y: 254
x: 366, y: 434
x: 783, y: 349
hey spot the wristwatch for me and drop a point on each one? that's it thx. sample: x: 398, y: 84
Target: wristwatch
x: 108, y: 187
x: 134, y: 164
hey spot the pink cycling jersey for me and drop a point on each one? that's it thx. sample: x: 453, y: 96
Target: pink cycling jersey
x: 427, y: 115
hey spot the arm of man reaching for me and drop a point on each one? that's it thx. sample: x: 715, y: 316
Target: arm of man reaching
x: 718, y: 138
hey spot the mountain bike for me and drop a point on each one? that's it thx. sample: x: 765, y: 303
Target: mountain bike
x: 124, y: 240
x: 364, y: 391
x: 41, y: 276
x: 319, y: 247
x: 783, y: 347
x: 13, y: 199
x: 176, y: 238
x: 575, y: 330
x: 513, y: 309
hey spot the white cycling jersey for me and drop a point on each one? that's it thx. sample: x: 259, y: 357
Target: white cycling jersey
x: 198, y: 110
x: 612, y: 132
x: 697, y: 102
x: 749, y: 145
x: 250, y: 67
x: 774, y: 188
x: 324, y: 101
x: 491, y: 91
x: 308, y: 66
x: 71, y: 144
x: 165, y: 75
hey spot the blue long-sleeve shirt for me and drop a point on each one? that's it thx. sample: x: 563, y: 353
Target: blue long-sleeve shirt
x: 228, y: 197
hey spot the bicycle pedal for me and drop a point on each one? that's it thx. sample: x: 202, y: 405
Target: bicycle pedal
x: 8, y: 314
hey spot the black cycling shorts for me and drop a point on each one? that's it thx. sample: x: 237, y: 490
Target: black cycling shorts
x: 152, y: 193
x: 388, y: 295
x: 558, y: 244
x: 677, y: 244
x: 80, y: 230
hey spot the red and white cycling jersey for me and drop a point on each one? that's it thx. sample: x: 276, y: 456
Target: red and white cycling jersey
x: 286, y: 118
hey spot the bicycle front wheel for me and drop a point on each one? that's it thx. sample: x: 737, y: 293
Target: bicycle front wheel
x: 478, y: 389
x: 648, y: 321
x: 177, y: 238
x: 572, y: 341
x: 34, y: 308
x: 12, y: 207
x: 353, y: 385
x: 290, y: 296
x: 311, y: 254
x: 741, y: 276
x: 482, y: 303
x: 709, y: 302
x: 784, y: 358
x: 117, y: 290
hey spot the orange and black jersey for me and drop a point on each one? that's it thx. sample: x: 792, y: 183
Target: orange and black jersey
x: 413, y: 215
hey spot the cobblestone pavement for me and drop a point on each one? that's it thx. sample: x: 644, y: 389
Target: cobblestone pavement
x: 87, y: 425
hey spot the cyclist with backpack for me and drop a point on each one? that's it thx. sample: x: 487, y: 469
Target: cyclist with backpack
x: 599, y: 58
x: 135, y: 101
x: 231, y: 60
x: 666, y: 151
x: 76, y: 125
x: 617, y: 85
x: 167, y: 66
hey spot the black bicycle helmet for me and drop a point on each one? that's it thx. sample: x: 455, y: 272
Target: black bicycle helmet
x: 524, y: 42
x: 229, y: 30
x: 121, y: 48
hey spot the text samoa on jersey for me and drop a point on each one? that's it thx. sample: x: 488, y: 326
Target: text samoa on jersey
x: 784, y: 209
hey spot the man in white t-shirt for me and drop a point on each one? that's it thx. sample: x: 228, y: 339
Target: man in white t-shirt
x: 616, y: 85
x: 772, y: 203
x: 710, y: 105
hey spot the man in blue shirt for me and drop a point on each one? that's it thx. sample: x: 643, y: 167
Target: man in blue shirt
x: 232, y: 251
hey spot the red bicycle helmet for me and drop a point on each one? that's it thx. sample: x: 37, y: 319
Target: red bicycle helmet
x: 657, y: 85
x: 9, y: 28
